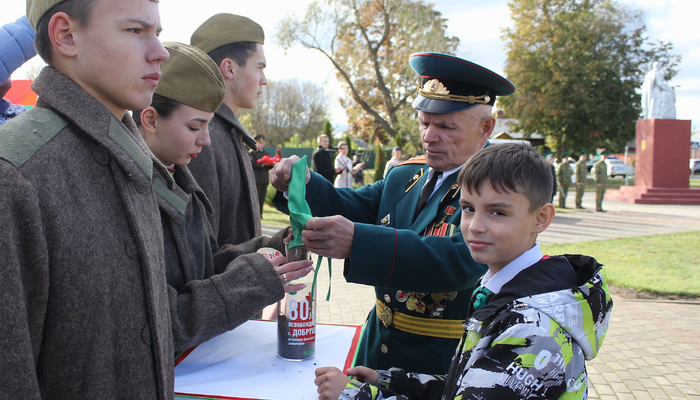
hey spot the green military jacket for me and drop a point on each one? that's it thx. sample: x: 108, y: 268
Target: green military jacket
x: 581, y: 172
x: 600, y: 172
x: 564, y: 173
x: 419, y: 264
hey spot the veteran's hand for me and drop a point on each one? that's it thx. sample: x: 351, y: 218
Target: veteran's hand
x: 288, y: 272
x: 329, y: 236
x: 281, y: 173
x: 331, y: 382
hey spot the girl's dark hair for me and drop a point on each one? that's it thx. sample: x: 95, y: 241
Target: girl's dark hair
x: 510, y: 167
x: 79, y: 10
x: 163, y: 105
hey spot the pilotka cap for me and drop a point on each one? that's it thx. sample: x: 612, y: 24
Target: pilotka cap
x: 191, y: 77
x: 223, y: 29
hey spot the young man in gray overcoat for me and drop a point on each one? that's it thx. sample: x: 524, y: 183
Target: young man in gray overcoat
x: 83, y: 299
x: 223, y: 170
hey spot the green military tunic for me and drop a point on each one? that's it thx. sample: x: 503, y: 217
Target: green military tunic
x: 564, y: 177
x: 600, y: 173
x: 581, y: 172
x: 420, y: 266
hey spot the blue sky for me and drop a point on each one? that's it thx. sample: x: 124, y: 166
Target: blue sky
x: 477, y: 24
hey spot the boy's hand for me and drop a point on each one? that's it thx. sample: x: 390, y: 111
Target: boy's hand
x: 330, y: 381
x: 364, y: 374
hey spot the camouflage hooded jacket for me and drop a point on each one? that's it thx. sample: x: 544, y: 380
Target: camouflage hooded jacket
x: 528, y: 346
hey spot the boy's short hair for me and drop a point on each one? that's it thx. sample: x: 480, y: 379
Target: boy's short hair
x: 239, y: 52
x: 79, y: 10
x: 510, y: 167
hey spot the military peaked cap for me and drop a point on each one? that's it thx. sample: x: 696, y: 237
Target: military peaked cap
x: 450, y: 84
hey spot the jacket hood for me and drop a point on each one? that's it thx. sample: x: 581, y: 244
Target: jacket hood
x: 583, y: 311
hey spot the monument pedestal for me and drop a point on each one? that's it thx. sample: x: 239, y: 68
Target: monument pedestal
x: 661, y: 173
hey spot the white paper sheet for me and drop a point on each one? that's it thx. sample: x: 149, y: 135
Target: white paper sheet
x: 243, y: 363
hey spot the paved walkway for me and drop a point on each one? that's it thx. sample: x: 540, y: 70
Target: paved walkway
x: 652, y: 350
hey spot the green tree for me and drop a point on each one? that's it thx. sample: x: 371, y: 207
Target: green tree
x: 328, y: 131
x: 287, y: 108
x: 577, y: 65
x: 369, y: 42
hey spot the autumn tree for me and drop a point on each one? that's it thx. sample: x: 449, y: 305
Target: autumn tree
x: 577, y: 66
x: 369, y: 42
x: 288, y: 108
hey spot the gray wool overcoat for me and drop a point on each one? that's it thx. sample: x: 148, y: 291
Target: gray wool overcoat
x: 83, y: 296
x: 224, y: 172
x: 211, y: 290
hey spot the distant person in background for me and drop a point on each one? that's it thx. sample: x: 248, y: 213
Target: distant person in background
x: 322, y: 159
x: 564, y: 178
x: 344, y: 167
x: 580, y: 176
x: 395, y: 160
x: 600, y: 174
x: 261, y: 171
x: 358, y: 176
x: 550, y: 159
x: 16, y: 48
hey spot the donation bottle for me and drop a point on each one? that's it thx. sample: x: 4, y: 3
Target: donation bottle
x: 296, y: 315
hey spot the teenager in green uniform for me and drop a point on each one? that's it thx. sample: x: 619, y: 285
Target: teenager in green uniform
x: 600, y: 173
x: 580, y: 176
x: 212, y: 290
x: 564, y: 178
x: 84, y: 305
x: 412, y: 253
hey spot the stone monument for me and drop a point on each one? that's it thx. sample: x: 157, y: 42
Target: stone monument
x: 658, y: 99
x: 662, y: 149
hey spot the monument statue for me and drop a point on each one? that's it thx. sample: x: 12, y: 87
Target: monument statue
x: 658, y: 99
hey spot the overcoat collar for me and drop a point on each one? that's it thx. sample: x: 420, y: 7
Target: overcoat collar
x: 227, y: 115
x: 174, y: 198
x: 120, y: 139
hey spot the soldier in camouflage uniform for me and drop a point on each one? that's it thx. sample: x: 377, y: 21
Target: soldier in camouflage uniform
x: 564, y: 174
x: 600, y: 173
x: 580, y: 177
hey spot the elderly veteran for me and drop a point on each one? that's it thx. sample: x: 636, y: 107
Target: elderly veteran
x: 223, y: 170
x: 83, y: 297
x: 401, y: 235
x: 211, y: 290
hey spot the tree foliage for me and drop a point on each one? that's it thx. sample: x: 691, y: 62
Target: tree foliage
x: 288, y: 108
x: 369, y: 42
x: 577, y: 65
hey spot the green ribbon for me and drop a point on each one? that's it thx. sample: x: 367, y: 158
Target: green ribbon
x: 300, y: 214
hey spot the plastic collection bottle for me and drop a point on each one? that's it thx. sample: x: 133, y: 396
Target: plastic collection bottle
x: 296, y: 316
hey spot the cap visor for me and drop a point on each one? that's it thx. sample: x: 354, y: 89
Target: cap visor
x: 432, y: 106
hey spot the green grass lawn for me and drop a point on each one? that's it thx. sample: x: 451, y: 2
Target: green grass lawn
x: 667, y: 264
x: 273, y: 217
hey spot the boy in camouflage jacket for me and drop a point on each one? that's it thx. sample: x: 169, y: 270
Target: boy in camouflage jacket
x: 535, y: 318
